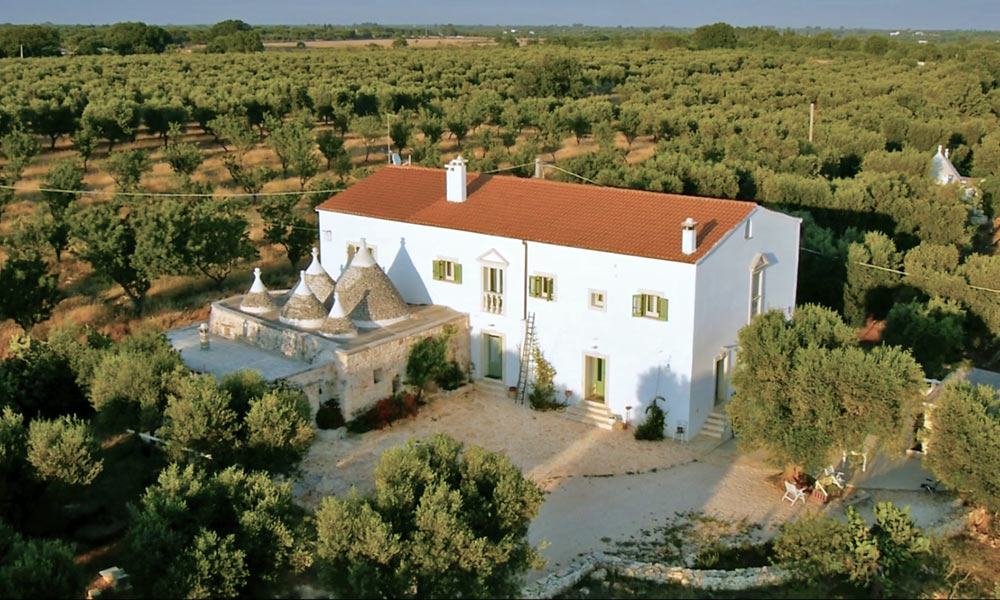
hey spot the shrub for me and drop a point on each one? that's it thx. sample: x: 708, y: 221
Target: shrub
x: 384, y: 412
x: 450, y: 377
x: 329, y: 416
x: 543, y: 391
x: 882, y: 557
x: 427, y: 359
x: 652, y: 428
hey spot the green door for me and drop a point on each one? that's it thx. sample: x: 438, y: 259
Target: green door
x: 494, y: 357
x: 596, y: 376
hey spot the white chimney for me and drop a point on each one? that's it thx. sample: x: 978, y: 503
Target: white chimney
x: 689, y: 237
x: 539, y: 168
x: 456, y: 180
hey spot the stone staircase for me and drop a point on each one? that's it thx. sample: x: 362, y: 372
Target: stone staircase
x: 590, y: 413
x: 717, y: 425
x: 493, y: 387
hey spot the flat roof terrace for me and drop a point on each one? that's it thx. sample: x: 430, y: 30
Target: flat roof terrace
x: 229, y: 355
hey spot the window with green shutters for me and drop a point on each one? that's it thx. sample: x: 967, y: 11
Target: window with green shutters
x: 541, y: 286
x: 650, y: 306
x: 447, y: 270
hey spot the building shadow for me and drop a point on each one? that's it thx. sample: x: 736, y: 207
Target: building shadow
x: 405, y: 276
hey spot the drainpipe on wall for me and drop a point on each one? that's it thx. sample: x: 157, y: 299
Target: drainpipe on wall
x: 524, y: 313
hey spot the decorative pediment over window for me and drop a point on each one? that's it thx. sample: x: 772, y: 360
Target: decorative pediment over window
x: 494, y: 259
x: 759, y: 262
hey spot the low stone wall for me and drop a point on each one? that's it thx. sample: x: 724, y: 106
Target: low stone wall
x: 599, y: 565
x: 367, y: 374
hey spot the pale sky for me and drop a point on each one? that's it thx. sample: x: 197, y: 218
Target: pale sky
x: 880, y: 14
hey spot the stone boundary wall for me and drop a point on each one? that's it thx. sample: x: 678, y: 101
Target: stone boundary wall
x: 734, y: 580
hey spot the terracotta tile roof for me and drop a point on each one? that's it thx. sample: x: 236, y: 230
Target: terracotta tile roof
x: 621, y: 221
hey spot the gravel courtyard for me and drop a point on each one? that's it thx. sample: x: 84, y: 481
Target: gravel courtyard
x: 548, y: 448
x: 602, y: 485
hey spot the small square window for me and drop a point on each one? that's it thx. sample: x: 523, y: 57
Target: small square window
x: 377, y: 376
x: 598, y: 299
x: 353, y: 248
x: 327, y: 235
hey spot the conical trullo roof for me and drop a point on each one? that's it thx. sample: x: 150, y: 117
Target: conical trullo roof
x: 258, y: 300
x: 337, y: 324
x: 318, y: 279
x: 369, y: 297
x: 302, y: 308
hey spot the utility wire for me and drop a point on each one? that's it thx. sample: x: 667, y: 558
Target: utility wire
x: 169, y: 194
x: 896, y: 271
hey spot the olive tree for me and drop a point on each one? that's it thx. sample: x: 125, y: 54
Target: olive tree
x: 962, y: 449
x: 444, y: 521
x: 804, y: 390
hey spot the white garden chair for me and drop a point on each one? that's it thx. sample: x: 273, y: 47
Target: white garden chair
x: 794, y: 494
x: 833, y: 476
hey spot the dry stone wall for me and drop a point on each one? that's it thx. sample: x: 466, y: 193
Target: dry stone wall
x: 359, y: 388
x: 598, y: 566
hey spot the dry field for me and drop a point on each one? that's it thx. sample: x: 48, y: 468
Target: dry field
x: 178, y: 301
x: 423, y: 42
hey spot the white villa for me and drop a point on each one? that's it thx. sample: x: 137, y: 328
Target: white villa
x: 633, y: 295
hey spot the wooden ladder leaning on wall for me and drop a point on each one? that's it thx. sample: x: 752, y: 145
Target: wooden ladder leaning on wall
x: 527, y: 358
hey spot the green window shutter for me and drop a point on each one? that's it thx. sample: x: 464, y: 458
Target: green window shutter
x: 662, y: 308
x: 458, y: 273
x: 534, y: 286
x: 637, y: 305
x: 438, y: 268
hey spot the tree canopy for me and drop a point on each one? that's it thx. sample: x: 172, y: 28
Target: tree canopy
x: 444, y: 521
x: 805, y: 391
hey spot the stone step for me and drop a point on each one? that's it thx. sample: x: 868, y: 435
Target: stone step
x: 587, y: 418
x: 493, y: 387
x: 590, y: 407
x: 716, y: 425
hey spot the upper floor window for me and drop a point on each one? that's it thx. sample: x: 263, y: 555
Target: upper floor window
x: 352, y: 249
x: 493, y: 290
x: 757, y: 287
x: 748, y: 230
x: 447, y: 270
x: 598, y: 299
x: 649, y: 305
x: 542, y: 286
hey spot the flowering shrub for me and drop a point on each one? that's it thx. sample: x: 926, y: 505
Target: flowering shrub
x: 384, y: 412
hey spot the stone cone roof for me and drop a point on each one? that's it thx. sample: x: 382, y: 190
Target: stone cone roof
x: 368, y: 295
x: 319, y: 280
x: 337, y: 324
x: 302, y: 308
x: 258, y: 300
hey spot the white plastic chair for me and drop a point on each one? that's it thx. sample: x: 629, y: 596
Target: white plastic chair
x: 794, y: 494
x: 834, y: 476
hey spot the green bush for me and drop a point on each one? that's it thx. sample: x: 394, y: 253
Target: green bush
x: 329, y: 416
x: 451, y: 376
x: 445, y: 521
x: 652, y: 428
x: 883, y: 558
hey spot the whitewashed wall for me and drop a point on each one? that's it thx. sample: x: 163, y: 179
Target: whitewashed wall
x: 723, y: 295
x: 645, y: 357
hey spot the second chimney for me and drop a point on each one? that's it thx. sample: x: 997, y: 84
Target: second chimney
x: 456, y: 187
x: 689, y: 237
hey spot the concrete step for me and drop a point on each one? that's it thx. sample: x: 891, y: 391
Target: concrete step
x: 717, y: 425
x: 493, y: 387
x: 587, y: 419
x: 590, y: 413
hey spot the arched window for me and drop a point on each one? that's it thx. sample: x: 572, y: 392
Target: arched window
x: 757, y: 286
